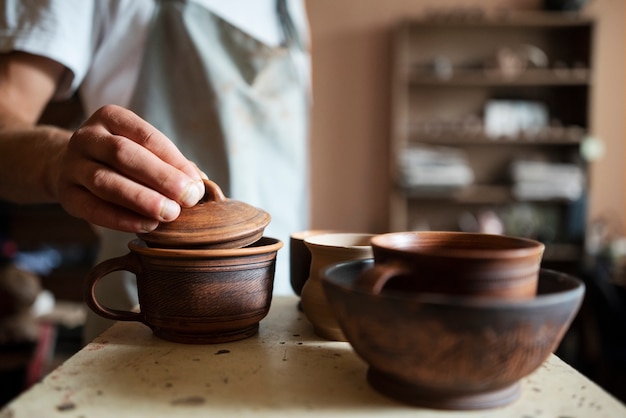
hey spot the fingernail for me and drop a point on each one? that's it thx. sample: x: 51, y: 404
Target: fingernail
x: 149, y: 226
x: 193, y: 193
x: 169, y: 210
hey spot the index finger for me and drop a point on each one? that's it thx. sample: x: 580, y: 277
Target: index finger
x: 124, y: 122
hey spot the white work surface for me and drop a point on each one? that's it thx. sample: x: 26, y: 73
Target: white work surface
x: 286, y: 370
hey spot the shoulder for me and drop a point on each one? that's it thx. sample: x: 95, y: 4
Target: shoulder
x: 70, y: 32
x: 67, y: 31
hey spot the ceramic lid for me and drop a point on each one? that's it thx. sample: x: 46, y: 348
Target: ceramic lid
x: 214, y: 222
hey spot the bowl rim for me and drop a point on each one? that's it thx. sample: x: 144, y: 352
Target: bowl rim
x: 519, y: 247
x: 545, y: 299
x: 341, y: 240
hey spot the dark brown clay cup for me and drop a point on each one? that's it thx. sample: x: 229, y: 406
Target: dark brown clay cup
x: 300, y: 257
x: 449, y: 351
x: 459, y: 263
x: 194, y: 296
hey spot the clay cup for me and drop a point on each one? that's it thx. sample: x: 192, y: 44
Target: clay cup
x: 457, y: 263
x: 198, y: 296
x: 328, y: 249
x: 300, y: 257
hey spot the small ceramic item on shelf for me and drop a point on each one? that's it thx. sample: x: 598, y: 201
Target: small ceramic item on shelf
x: 450, y: 351
x: 461, y: 263
x: 206, y: 277
x: 328, y: 249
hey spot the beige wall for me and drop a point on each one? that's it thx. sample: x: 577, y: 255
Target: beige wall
x: 608, y: 115
x: 350, y: 121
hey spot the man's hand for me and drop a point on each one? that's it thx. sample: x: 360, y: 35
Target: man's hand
x: 121, y: 172
x: 115, y: 171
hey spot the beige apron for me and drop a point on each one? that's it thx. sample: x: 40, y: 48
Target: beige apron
x: 236, y: 107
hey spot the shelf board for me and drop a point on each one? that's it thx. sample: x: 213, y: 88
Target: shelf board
x: 546, y: 77
x: 459, y: 139
x: 529, y: 19
x: 475, y: 194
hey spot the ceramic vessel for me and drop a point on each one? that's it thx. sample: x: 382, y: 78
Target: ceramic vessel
x: 328, y: 249
x: 194, y: 296
x: 461, y: 263
x: 206, y: 277
x: 300, y: 257
x: 447, y: 351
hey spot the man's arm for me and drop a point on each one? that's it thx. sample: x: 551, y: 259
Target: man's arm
x: 116, y: 170
x: 27, y: 82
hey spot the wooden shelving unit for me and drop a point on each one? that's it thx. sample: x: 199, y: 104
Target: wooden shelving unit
x: 446, y: 73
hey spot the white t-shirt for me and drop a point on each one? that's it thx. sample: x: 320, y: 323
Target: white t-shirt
x: 100, y: 41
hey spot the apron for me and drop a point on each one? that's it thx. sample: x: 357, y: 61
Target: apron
x: 236, y: 107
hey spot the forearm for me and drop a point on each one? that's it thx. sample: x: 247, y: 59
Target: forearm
x: 30, y: 157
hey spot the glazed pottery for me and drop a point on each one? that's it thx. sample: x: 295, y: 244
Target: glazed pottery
x: 461, y: 263
x: 300, y: 257
x: 214, y: 222
x: 194, y: 295
x: 449, y: 351
x: 328, y: 249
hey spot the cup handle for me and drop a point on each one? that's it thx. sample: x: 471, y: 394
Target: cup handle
x: 375, y: 278
x: 128, y: 262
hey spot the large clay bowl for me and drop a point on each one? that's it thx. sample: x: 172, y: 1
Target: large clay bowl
x: 451, y: 352
x: 195, y: 296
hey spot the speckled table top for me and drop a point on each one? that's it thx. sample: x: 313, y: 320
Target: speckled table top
x: 286, y: 370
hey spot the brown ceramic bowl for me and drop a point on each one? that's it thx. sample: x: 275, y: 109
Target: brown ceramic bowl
x: 195, y: 296
x: 448, y: 351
